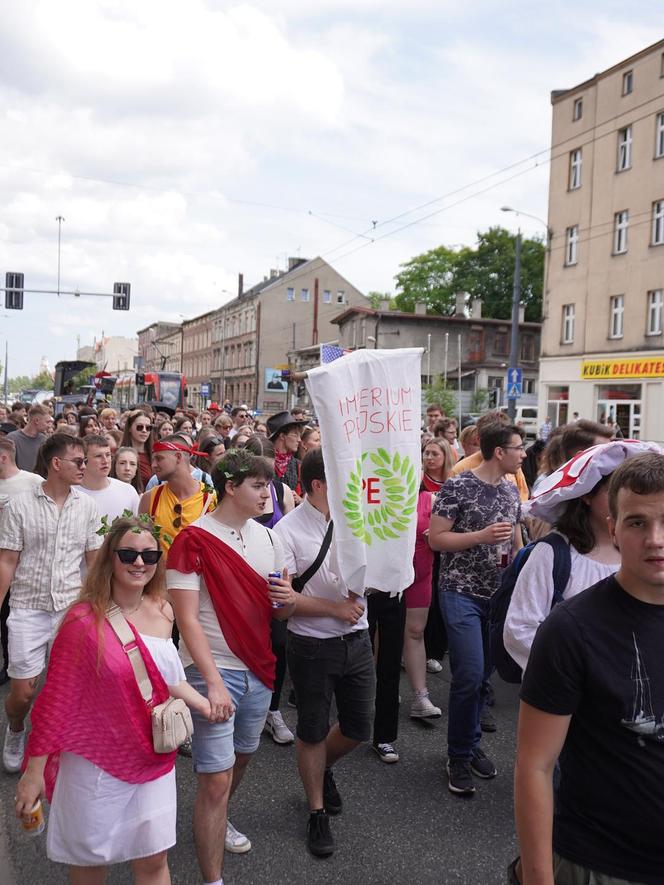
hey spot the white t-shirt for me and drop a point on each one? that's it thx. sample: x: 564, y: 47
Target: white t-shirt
x: 112, y: 501
x: 533, y: 595
x: 262, y: 550
x: 20, y: 482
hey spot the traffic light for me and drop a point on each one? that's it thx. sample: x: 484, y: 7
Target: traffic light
x: 121, y: 293
x: 140, y: 379
x: 493, y: 398
x: 14, y: 300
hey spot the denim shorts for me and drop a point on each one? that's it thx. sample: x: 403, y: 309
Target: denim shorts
x: 214, y: 744
x: 342, y: 667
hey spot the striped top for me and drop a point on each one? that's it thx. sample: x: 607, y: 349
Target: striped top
x: 52, y: 542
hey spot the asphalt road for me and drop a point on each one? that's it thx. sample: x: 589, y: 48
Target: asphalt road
x: 399, y: 824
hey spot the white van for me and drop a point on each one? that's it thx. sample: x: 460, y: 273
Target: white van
x: 526, y: 417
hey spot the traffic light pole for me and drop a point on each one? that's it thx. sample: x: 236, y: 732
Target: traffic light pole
x: 514, y: 342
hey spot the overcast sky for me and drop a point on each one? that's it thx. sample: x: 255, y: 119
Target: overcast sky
x: 184, y: 142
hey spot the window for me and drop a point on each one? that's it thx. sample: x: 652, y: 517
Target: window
x: 624, y: 148
x: 577, y: 111
x: 568, y: 323
x: 528, y: 349
x: 627, y: 82
x: 528, y: 385
x: 575, y: 169
x: 658, y: 223
x: 620, y: 225
x: 617, y: 315
x: 327, y: 296
x: 501, y: 345
x: 290, y: 294
x: 659, y: 136
x: 661, y: 66
x: 655, y: 299
x: 304, y: 295
x: 341, y: 296
x: 571, y: 243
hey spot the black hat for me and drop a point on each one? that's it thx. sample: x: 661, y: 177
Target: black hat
x: 279, y: 422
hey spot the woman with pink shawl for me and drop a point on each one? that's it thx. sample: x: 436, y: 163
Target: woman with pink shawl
x: 90, y: 751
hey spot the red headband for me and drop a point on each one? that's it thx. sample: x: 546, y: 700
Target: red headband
x: 175, y: 447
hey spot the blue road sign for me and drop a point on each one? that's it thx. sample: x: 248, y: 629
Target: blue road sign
x: 205, y: 390
x: 514, y: 382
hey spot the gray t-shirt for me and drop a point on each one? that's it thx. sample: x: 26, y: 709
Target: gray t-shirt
x: 472, y: 505
x: 26, y: 449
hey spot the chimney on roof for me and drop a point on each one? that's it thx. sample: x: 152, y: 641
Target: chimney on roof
x: 460, y: 309
x: 384, y: 304
x: 522, y: 313
x: 421, y: 308
x: 294, y: 261
x: 240, y: 285
x: 477, y: 309
x: 274, y: 273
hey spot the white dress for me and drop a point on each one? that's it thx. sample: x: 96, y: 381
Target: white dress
x: 96, y: 819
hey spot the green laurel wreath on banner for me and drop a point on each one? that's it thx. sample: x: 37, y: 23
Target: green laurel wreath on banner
x: 391, y: 518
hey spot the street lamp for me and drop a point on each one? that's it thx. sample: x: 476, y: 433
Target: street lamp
x: 59, y: 219
x: 516, y: 301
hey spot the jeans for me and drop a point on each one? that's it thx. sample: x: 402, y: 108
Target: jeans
x: 467, y: 623
x: 387, y: 615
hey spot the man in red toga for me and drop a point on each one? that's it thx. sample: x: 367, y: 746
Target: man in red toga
x: 217, y: 573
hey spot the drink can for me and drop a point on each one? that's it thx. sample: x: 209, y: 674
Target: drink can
x: 275, y: 574
x: 33, y: 822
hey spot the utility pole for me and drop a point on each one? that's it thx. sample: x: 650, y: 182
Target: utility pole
x: 59, y: 219
x: 514, y: 344
x: 6, y: 375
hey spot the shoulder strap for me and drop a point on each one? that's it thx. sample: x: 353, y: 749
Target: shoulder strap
x: 562, y: 564
x: 300, y: 581
x: 156, y: 495
x: 130, y: 647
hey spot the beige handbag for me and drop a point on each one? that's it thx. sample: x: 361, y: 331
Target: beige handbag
x: 171, y: 721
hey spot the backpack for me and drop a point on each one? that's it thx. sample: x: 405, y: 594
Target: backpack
x: 507, y: 667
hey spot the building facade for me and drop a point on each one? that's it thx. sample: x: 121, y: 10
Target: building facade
x: 149, y: 353
x: 197, y: 352
x: 603, y: 333
x: 474, y: 348
x: 111, y: 353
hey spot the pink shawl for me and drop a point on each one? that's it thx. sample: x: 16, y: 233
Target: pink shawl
x: 94, y: 708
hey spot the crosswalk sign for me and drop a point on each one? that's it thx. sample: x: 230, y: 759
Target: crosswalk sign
x: 514, y: 382
x: 514, y: 391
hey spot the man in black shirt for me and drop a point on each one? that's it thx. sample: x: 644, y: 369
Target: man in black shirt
x: 593, y: 696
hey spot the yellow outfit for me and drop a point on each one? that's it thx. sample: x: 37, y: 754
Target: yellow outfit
x: 162, y: 510
x: 473, y: 461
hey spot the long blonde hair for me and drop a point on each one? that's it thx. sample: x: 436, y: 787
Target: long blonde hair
x: 97, y: 587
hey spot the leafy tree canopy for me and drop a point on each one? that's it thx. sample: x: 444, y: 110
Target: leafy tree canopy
x: 485, y: 271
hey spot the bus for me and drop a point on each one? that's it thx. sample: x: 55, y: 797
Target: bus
x: 134, y: 388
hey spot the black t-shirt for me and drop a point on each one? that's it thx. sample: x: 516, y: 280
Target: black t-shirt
x: 598, y: 657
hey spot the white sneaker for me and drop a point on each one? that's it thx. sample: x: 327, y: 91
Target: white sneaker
x: 235, y: 841
x: 422, y: 708
x: 12, y: 752
x: 434, y: 666
x: 275, y: 725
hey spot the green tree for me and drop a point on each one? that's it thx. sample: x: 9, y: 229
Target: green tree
x: 439, y: 393
x: 20, y: 382
x: 376, y: 297
x: 485, y: 271
x: 43, y: 381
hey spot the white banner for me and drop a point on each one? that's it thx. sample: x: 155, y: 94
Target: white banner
x: 369, y: 406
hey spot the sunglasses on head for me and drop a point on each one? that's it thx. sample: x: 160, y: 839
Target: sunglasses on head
x: 128, y: 555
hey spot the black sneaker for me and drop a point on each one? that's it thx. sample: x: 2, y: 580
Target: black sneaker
x: 488, y: 720
x: 481, y: 765
x: 459, y: 778
x: 331, y: 798
x: 319, y: 837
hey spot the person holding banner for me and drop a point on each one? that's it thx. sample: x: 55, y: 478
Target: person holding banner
x: 474, y: 523
x: 329, y: 653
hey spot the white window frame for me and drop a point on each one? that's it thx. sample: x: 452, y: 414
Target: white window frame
x: 575, y: 164
x: 577, y: 109
x: 657, y: 223
x: 327, y: 296
x: 571, y: 245
x: 620, y: 228
x: 659, y: 135
x: 617, y: 316
x: 341, y: 296
x: 628, y: 82
x: 568, y: 324
x: 290, y: 294
x: 624, y: 149
x: 305, y: 295
x: 655, y: 304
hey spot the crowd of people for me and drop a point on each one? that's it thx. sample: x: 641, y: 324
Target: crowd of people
x: 209, y: 537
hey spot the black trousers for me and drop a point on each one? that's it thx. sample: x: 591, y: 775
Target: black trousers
x: 435, y: 634
x: 387, y: 616
x: 4, y: 632
x: 279, y: 633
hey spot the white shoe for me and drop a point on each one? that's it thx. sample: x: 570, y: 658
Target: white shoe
x: 434, y: 666
x: 235, y: 841
x: 12, y: 752
x: 275, y: 725
x: 422, y: 708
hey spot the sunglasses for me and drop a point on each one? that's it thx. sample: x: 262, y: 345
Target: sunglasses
x: 147, y: 427
x: 177, y: 522
x: 128, y: 556
x: 79, y: 462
